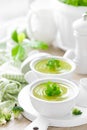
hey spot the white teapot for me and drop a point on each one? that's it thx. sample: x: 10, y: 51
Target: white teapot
x: 41, y: 24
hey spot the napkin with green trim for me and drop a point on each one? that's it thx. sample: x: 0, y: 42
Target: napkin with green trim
x: 9, y: 71
x: 9, y: 89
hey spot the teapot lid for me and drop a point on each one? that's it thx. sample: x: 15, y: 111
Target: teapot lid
x: 80, y: 25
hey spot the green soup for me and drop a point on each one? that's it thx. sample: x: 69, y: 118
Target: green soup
x: 41, y: 66
x: 39, y: 92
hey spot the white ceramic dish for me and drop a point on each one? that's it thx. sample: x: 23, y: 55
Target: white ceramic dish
x: 82, y: 97
x: 37, y: 74
x: 51, y: 109
x: 67, y: 121
x: 25, y: 67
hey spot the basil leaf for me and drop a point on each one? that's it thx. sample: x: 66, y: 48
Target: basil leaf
x: 75, y: 2
x: 18, y: 53
x: 83, y: 2
x: 21, y: 53
x: 15, y: 50
x: 38, y: 45
x: 21, y: 37
x: 14, y: 36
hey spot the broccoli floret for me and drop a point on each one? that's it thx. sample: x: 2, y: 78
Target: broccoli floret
x: 2, y: 119
x: 8, y: 117
x: 5, y: 116
x: 76, y: 111
x: 17, y: 110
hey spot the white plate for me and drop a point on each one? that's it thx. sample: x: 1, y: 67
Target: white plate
x: 66, y: 121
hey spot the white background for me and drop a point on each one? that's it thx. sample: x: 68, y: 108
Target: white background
x: 13, y: 8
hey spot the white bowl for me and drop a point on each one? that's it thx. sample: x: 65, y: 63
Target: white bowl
x: 34, y: 73
x: 54, y: 109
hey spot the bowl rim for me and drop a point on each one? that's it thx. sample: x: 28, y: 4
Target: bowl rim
x: 73, y: 65
x: 59, y: 80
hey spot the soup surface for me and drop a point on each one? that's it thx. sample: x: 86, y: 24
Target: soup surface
x: 41, y: 66
x: 39, y: 91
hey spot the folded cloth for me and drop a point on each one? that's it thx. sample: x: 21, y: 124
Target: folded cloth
x: 17, y: 77
x: 9, y: 89
x: 11, y: 72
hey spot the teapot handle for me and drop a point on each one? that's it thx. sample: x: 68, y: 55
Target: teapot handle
x: 30, y: 77
x: 70, y: 54
x: 29, y: 28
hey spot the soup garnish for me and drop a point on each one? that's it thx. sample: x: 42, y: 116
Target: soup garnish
x: 53, y: 63
x: 53, y: 89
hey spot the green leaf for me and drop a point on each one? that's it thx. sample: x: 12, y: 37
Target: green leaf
x: 75, y: 2
x: 21, y: 37
x: 83, y: 2
x: 15, y: 50
x: 14, y: 36
x: 52, y: 89
x: 18, y: 52
x: 53, y: 63
x: 39, y: 45
x: 76, y: 111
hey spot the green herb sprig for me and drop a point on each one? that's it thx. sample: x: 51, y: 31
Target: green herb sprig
x: 76, y: 111
x: 18, y: 37
x: 38, y: 45
x: 19, y: 51
x: 53, y: 63
x: 52, y: 89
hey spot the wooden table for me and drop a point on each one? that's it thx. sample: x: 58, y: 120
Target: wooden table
x: 20, y: 124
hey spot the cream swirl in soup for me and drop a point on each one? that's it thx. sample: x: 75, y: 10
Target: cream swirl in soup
x: 39, y: 91
x: 58, y: 67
